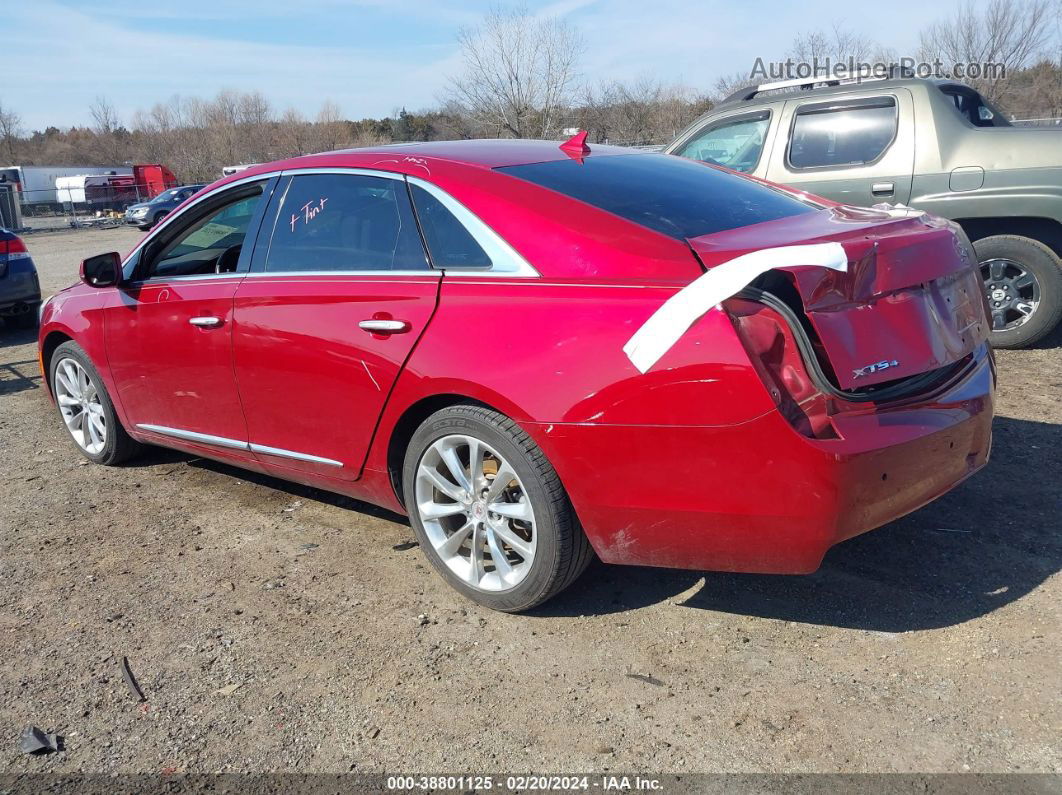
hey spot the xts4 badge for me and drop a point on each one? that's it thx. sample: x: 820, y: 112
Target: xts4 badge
x: 876, y: 367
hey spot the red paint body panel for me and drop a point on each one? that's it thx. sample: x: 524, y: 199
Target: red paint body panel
x: 312, y: 380
x: 908, y: 295
x: 757, y: 496
x: 166, y: 371
x: 726, y: 455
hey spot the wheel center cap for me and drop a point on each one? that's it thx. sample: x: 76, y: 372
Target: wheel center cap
x: 479, y: 510
x: 999, y: 294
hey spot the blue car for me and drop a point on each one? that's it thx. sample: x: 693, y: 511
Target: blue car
x: 20, y: 290
x: 146, y: 214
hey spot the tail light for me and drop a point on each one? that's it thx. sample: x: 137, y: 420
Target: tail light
x: 775, y: 355
x: 11, y: 249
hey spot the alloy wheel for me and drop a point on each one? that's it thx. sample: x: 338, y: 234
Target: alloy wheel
x: 1013, y: 292
x: 79, y: 403
x: 476, y: 513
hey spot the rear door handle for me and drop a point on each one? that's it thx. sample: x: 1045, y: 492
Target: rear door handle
x: 879, y: 188
x: 205, y: 322
x: 384, y: 326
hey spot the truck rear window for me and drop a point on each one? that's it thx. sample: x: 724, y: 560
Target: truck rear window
x: 671, y: 195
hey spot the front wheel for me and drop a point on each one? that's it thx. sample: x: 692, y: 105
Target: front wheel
x: 1023, y: 285
x: 86, y: 408
x: 489, y: 510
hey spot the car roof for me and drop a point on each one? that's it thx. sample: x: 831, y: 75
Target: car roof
x: 484, y: 153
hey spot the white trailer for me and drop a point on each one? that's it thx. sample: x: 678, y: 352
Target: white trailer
x: 36, y: 184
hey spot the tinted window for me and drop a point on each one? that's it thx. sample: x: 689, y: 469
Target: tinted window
x: 211, y: 244
x: 734, y: 143
x: 343, y: 222
x: 669, y: 194
x: 450, y: 243
x: 849, y: 134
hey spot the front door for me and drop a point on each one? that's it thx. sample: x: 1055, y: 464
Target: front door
x: 168, y: 327
x: 856, y: 150
x: 339, y: 292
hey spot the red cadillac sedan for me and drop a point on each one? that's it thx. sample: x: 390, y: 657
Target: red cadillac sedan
x: 542, y: 353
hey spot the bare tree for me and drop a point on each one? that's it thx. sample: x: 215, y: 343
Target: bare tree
x: 519, y: 71
x: 642, y: 112
x: 1015, y: 33
x: 837, y: 45
x: 331, y: 130
x: 10, y: 131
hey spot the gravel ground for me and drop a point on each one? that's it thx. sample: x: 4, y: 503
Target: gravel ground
x: 276, y: 628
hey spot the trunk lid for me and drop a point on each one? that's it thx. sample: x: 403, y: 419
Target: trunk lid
x: 911, y: 300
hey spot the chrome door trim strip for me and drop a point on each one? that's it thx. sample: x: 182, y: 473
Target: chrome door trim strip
x: 235, y: 444
x: 192, y: 436
x: 312, y: 459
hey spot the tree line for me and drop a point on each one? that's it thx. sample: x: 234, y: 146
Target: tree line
x: 520, y: 78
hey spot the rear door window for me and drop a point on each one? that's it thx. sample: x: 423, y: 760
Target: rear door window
x: 342, y: 222
x: 450, y: 244
x: 734, y: 142
x: 842, y: 134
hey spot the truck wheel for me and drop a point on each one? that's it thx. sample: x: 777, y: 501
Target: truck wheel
x: 1023, y: 284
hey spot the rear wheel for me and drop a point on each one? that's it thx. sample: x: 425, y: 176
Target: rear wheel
x: 489, y: 510
x: 86, y: 408
x: 1023, y: 284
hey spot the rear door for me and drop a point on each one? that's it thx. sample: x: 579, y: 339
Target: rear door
x: 340, y: 290
x: 852, y: 149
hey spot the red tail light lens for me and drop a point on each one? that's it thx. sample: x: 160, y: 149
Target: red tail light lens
x: 16, y: 246
x: 774, y: 353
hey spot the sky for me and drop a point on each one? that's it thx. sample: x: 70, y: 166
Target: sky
x: 372, y: 57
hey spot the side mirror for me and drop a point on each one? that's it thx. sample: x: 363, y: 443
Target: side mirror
x: 103, y: 270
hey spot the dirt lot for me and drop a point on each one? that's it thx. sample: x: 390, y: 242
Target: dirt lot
x: 274, y: 627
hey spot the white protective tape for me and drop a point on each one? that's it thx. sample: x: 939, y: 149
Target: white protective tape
x: 673, y: 319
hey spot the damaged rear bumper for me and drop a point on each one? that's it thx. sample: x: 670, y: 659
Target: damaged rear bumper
x: 758, y: 496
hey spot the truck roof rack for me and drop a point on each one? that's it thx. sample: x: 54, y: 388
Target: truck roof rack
x: 837, y: 78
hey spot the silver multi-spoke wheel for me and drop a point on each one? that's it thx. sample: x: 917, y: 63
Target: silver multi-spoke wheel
x: 476, y: 513
x: 79, y: 403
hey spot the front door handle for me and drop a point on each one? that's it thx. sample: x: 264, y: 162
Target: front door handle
x: 882, y: 188
x: 378, y: 326
x: 205, y: 322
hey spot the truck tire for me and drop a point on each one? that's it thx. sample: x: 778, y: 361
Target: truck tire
x: 1023, y: 285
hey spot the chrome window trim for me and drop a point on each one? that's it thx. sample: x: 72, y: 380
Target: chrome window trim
x: 504, y: 258
x: 430, y: 274
x: 506, y: 261
x: 235, y: 444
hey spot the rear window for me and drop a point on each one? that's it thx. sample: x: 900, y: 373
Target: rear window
x: 671, y: 195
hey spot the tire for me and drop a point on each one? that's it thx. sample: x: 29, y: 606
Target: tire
x: 117, y: 446
x: 560, y: 551
x: 157, y: 219
x: 1003, y: 259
